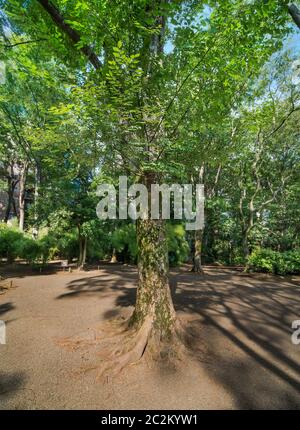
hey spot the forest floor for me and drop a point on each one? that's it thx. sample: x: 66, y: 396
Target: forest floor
x: 242, y: 356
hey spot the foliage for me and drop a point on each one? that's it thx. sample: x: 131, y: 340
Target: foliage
x: 177, y: 244
x: 29, y: 249
x: 124, y: 241
x: 280, y: 263
x: 14, y: 244
x: 181, y: 85
x: 10, y: 239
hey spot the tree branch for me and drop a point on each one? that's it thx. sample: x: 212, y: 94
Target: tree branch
x: 23, y: 43
x: 282, y: 122
x: 73, y: 35
x: 295, y: 14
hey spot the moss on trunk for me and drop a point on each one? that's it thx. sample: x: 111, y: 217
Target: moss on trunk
x: 197, y: 266
x: 153, y: 293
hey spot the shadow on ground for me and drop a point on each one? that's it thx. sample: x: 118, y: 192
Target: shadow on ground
x: 243, y: 321
x: 6, y: 307
x: 10, y: 383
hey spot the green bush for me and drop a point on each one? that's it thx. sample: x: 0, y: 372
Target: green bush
x: 29, y: 250
x: 289, y: 263
x: 124, y: 241
x: 178, y: 247
x: 67, y: 246
x: 10, y: 239
x: 59, y: 246
x: 49, y: 247
x: 269, y: 261
x: 14, y: 243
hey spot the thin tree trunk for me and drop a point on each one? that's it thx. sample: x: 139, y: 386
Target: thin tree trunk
x: 14, y: 204
x: 80, y: 247
x: 23, y: 173
x: 197, y: 266
x: 11, y: 185
x: 9, y: 200
x: 84, y: 250
x: 245, y: 245
x: 114, y: 256
x: 35, y: 230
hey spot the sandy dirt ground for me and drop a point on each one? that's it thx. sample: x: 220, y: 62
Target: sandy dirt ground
x: 242, y: 356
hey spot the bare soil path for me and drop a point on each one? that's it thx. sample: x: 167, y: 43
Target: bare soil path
x: 242, y: 356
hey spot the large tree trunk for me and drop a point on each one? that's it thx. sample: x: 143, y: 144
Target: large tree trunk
x: 153, y: 300
x: 197, y: 266
x: 23, y: 173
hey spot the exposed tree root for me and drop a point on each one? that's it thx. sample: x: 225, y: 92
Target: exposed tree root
x: 130, y: 353
x: 117, y: 346
x: 6, y: 285
x: 197, y: 271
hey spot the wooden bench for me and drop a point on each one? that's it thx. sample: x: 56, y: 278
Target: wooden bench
x: 65, y: 265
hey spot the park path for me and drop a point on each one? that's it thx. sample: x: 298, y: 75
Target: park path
x: 242, y: 355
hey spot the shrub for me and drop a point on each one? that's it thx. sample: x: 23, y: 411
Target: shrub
x: 29, y: 250
x: 178, y: 247
x: 14, y: 243
x: 269, y: 261
x: 10, y: 239
x: 124, y: 241
x: 289, y: 263
x: 49, y: 247
x: 68, y: 246
x: 262, y: 260
x: 59, y: 246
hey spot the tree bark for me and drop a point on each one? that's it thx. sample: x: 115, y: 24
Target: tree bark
x: 295, y: 14
x: 9, y: 199
x: 114, y: 256
x: 82, y: 248
x: 35, y: 230
x: 73, y: 35
x: 197, y: 266
x: 153, y: 293
x: 23, y: 174
x: 245, y: 245
x: 11, y: 185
